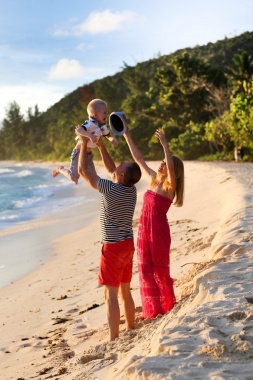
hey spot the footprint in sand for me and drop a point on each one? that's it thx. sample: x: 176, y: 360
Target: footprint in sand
x: 103, y: 358
x: 68, y: 354
x: 238, y: 315
x: 88, y: 358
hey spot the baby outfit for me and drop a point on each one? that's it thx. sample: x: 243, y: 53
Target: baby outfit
x: 95, y: 128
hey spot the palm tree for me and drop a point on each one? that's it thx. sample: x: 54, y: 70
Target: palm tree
x: 242, y: 72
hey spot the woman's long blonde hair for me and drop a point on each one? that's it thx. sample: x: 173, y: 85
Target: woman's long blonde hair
x: 179, y: 175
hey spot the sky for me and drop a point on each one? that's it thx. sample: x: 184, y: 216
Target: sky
x: 48, y: 48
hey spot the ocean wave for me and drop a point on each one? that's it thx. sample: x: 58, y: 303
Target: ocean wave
x: 24, y: 173
x: 24, y: 203
x: 9, y: 218
x: 46, y: 190
x: 14, y: 173
x: 6, y: 171
x: 27, y: 193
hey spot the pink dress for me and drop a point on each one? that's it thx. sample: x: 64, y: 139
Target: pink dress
x: 153, y: 252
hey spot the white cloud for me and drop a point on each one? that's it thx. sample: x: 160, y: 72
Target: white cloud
x: 105, y: 22
x: 66, y: 69
x: 99, y: 23
x: 29, y: 95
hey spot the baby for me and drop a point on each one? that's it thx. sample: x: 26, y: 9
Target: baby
x: 93, y: 129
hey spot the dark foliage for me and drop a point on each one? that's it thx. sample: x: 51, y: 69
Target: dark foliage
x: 202, y: 96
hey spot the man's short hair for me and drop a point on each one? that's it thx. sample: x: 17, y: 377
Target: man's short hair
x: 132, y: 174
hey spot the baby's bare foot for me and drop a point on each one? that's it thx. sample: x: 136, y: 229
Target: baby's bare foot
x: 55, y: 172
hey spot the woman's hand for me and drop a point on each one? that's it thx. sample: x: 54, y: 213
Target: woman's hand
x: 160, y: 133
x: 127, y: 130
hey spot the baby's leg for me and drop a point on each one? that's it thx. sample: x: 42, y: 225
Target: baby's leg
x: 56, y: 172
x: 61, y: 170
x: 78, y: 146
x: 72, y: 172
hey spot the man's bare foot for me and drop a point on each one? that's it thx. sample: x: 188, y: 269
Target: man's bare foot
x: 55, y: 172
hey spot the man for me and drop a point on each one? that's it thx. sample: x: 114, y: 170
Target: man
x: 118, y: 200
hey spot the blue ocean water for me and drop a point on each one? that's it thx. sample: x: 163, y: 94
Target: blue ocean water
x: 28, y: 192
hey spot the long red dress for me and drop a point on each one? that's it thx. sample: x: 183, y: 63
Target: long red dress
x: 153, y: 252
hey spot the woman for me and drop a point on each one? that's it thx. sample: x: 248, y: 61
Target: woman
x: 153, y: 243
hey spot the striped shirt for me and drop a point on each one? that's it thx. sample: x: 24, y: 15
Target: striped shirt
x: 117, y: 210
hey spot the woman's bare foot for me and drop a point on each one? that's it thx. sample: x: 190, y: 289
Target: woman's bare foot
x: 55, y: 172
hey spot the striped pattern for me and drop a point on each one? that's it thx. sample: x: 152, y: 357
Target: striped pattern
x: 117, y: 209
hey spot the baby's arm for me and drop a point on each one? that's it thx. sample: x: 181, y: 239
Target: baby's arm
x: 81, y: 131
x: 113, y: 140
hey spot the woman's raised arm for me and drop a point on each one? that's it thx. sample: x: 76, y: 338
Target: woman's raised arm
x: 168, y: 157
x: 137, y: 156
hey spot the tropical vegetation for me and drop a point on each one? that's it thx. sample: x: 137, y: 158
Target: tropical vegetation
x: 202, y: 96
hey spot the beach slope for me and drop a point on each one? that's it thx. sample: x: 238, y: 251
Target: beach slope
x: 53, y: 321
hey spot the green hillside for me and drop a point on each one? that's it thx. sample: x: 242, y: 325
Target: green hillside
x: 203, y: 96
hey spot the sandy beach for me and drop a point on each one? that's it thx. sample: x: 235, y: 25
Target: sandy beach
x: 53, y: 323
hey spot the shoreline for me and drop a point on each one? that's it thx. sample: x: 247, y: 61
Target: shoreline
x: 26, y: 245
x: 54, y: 318
x: 32, y: 241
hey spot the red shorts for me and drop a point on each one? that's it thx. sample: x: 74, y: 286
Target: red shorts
x: 116, y: 263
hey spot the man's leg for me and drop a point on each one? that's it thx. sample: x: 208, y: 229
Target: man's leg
x: 112, y: 310
x: 128, y: 304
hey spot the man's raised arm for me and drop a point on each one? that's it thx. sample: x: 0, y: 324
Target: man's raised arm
x: 107, y: 160
x: 86, y: 167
